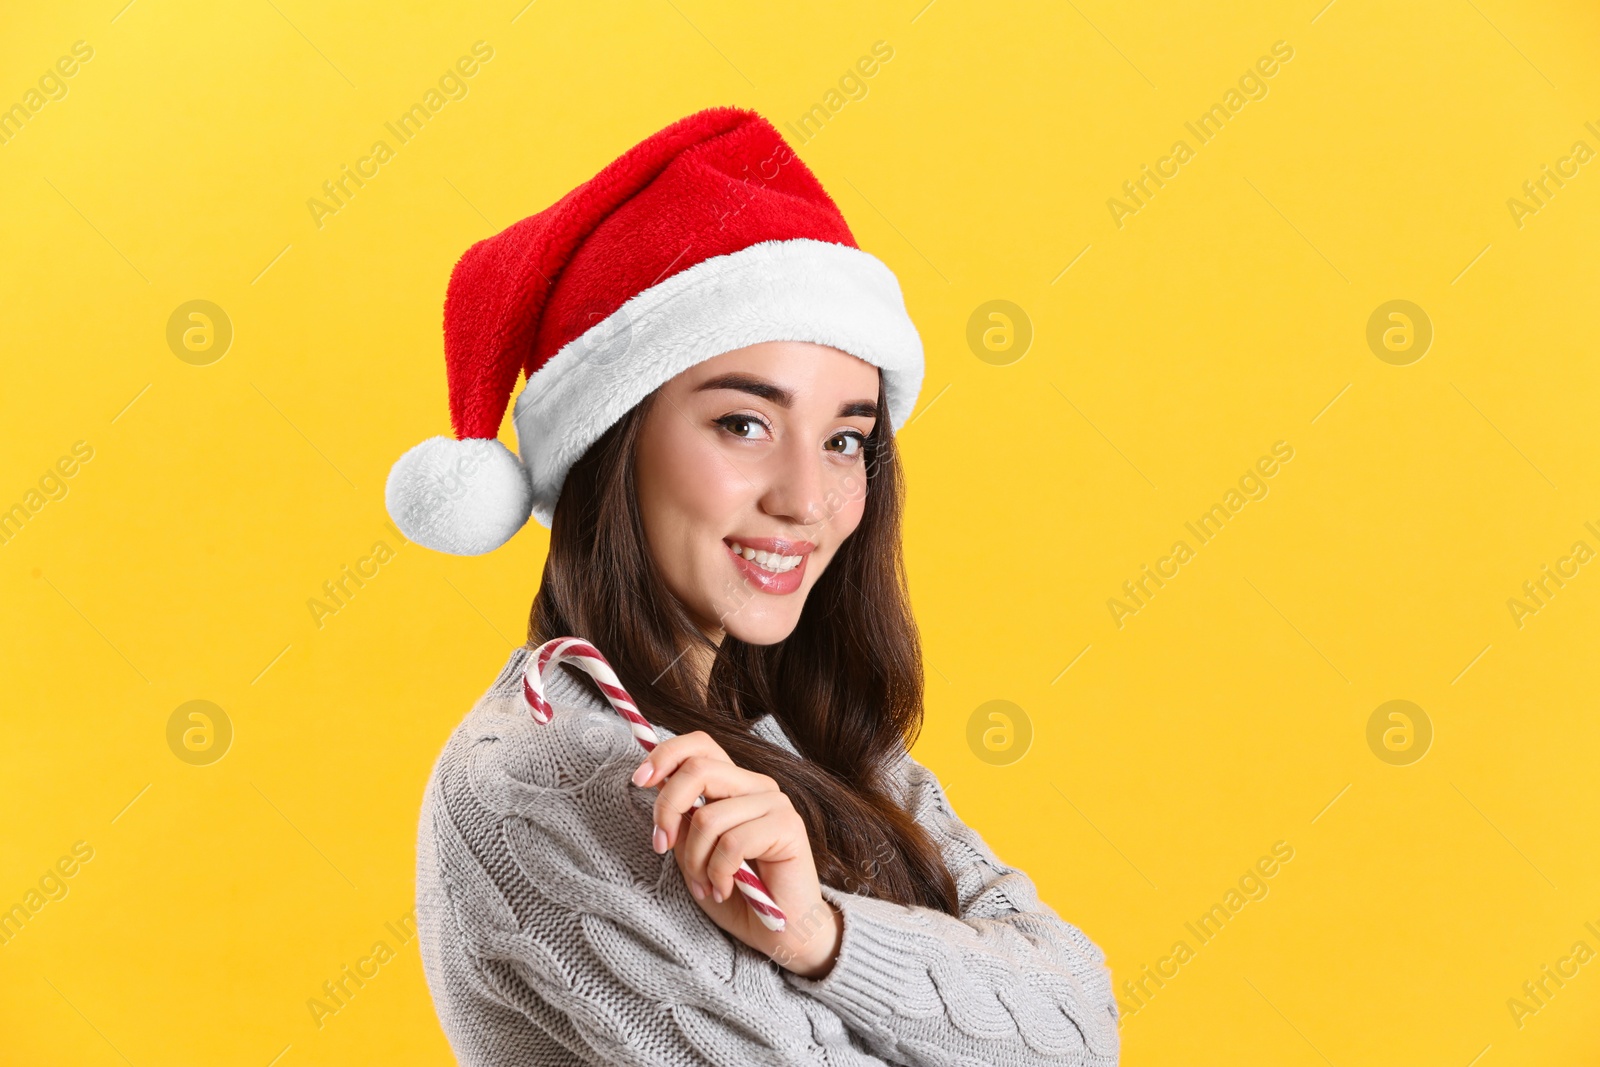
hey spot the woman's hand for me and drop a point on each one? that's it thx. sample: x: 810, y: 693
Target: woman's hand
x: 746, y: 817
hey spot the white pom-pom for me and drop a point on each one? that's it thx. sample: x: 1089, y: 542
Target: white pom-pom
x: 461, y: 497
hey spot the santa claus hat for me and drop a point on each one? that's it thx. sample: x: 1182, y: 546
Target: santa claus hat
x: 705, y: 237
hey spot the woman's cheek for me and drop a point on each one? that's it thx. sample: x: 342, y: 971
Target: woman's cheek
x: 846, y: 504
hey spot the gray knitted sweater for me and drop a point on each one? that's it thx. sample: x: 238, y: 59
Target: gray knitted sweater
x: 552, y: 933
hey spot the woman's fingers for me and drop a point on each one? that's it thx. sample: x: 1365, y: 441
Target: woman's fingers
x: 666, y: 756
x: 703, y: 776
x: 723, y: 834
x: 772, y: 836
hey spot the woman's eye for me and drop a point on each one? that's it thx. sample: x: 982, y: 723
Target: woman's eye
x: 736, y: 424
x: 859, y: 440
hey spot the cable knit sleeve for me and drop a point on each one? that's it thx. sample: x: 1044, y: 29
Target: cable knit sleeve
x: 552, y: 933
x: 1008, y: 982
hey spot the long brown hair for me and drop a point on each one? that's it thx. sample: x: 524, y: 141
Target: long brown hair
x: 846, y: 684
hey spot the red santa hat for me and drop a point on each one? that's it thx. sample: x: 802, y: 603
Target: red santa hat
x: 705, y: 237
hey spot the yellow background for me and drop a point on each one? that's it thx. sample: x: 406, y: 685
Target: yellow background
x: 1229, y: 313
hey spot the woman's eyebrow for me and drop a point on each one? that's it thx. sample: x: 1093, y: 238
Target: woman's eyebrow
x: 746, y: 383
x: 777, y: 394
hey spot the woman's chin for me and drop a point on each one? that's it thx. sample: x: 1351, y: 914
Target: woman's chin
x: 766, y: 627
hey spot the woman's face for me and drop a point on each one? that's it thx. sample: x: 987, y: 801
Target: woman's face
x: 762, y: 448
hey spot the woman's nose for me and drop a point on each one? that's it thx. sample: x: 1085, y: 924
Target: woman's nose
x: 797, y: 484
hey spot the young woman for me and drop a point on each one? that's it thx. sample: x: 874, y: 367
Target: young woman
x: 707, y: 429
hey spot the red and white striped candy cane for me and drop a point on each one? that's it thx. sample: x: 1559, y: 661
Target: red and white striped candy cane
x: 581, y: 653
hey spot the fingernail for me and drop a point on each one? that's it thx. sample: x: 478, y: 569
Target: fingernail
x: 699, y: 894
x: 642, y: 775
x: 659, y: 839
x: 716, y: 894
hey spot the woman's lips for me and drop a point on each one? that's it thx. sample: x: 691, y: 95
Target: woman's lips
x: 768, y: 581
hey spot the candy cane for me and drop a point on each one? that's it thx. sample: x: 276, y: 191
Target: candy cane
x: 581, y: 653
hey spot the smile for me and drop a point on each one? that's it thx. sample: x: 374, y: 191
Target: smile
x: 767, y: 560
x: 771, y: 564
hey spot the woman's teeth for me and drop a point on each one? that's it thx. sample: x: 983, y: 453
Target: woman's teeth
x: 768, y: 561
